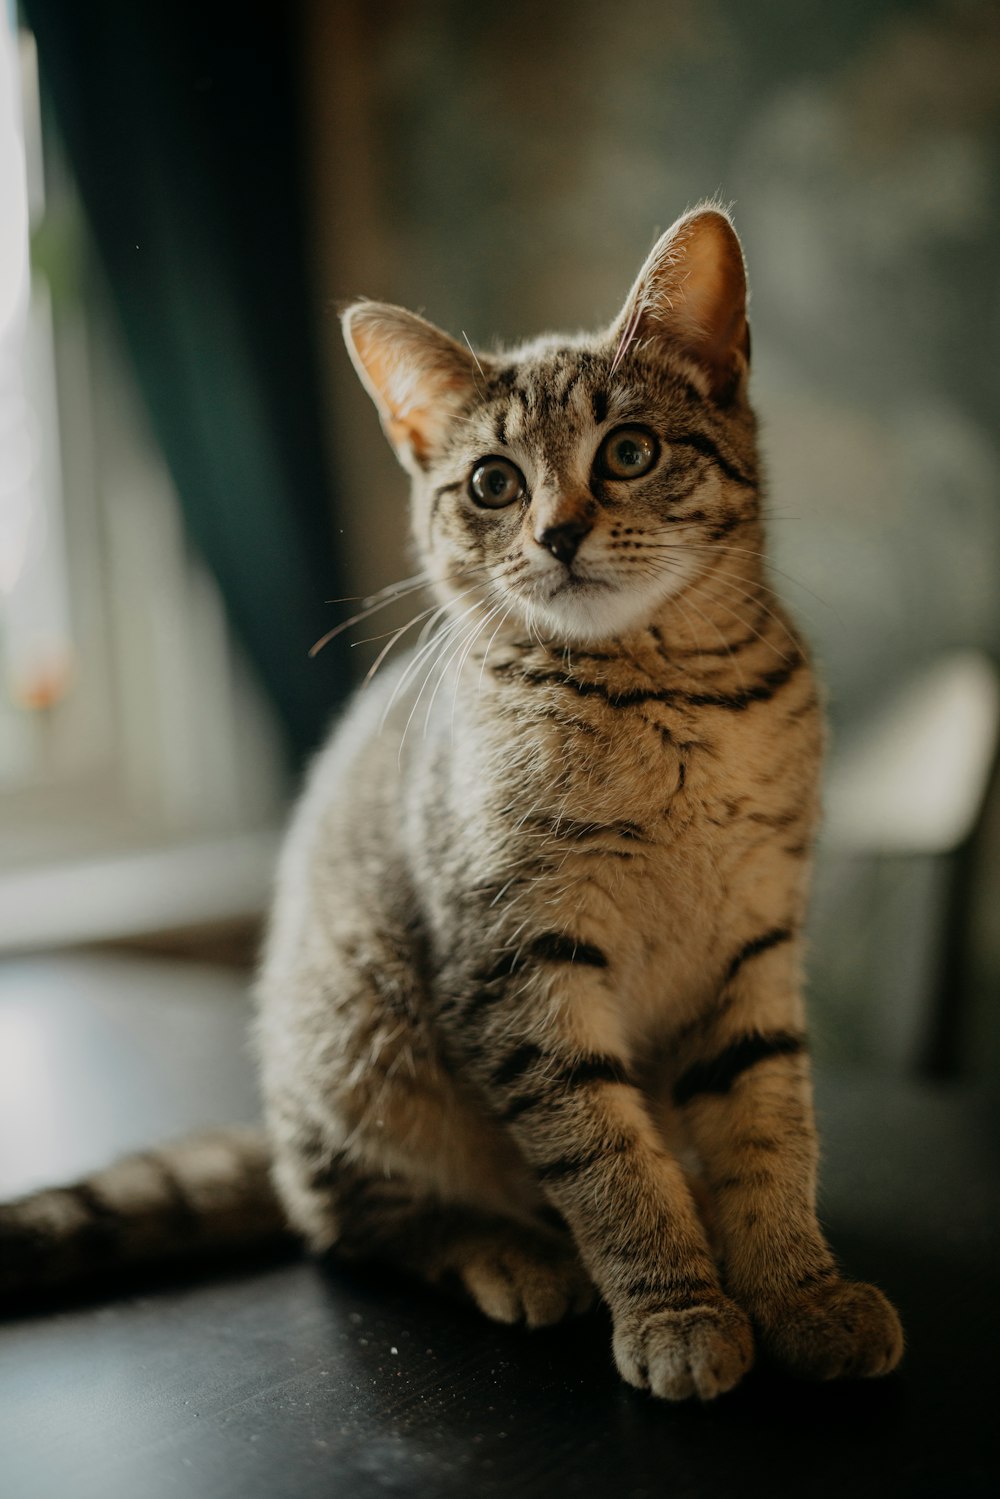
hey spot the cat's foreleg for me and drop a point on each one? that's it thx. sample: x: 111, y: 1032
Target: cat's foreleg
x: 745, y: 1095
x: 583, y: 1127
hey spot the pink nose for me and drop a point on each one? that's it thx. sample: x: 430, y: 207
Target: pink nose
x: 563, y: 541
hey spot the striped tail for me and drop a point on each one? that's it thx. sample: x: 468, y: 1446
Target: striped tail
x: 202, y: 1197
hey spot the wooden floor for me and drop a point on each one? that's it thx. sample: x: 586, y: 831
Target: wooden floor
x: 275, y: 1381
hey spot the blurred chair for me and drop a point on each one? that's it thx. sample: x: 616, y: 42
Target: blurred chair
x: 917, y: 782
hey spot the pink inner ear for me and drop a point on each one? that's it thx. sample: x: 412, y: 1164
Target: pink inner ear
x: 412, y: 371
x: 715, y: 291
x: 692, y: 294
x: 413, y: 430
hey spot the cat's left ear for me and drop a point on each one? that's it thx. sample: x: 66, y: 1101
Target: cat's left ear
x: 417, y: 376
x: 691, y: 296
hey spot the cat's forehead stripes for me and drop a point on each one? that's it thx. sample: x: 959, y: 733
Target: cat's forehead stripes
x: 555, y: 398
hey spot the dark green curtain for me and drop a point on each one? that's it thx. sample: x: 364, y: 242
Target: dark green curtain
x: 180, y: 121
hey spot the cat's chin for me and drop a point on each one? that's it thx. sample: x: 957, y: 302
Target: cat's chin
x: 592, y: 613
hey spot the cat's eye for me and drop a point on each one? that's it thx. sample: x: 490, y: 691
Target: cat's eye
x: 627, y: 453
x: 496, y: 482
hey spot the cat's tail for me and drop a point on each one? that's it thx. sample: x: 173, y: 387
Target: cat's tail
x: 206, y: 1196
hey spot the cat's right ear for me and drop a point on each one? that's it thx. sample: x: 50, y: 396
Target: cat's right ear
x: 418, y: 377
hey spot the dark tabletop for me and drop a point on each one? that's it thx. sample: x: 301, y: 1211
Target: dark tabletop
x: 267, y: 1381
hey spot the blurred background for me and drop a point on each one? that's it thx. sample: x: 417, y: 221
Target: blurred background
x: 189, y: 472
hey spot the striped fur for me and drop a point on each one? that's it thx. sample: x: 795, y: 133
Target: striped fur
x: 530, y: 1015
x: 206, y: 1197
x: 538, y: 932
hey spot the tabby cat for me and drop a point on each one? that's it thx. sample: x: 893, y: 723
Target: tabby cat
x: 530, y: 1014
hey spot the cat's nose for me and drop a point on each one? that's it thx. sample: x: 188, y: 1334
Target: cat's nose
x: 563, y: 541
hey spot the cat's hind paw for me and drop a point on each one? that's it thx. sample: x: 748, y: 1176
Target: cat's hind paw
x: 700, y: 1351
x: 524, y: 1281
x: 841, y: 1330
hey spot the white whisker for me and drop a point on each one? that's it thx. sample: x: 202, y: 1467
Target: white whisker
x: 438, y: 641
x: 396, y: 635
x: 370, y: 609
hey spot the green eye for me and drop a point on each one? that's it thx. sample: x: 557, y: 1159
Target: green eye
x: 495, y: 482
x: 627, y: 453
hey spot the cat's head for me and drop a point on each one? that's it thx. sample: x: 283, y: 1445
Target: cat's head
x: 580, y: 482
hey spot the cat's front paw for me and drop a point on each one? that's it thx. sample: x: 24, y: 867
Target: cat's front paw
x: 841, y: 1330
x: 702, y: 1350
